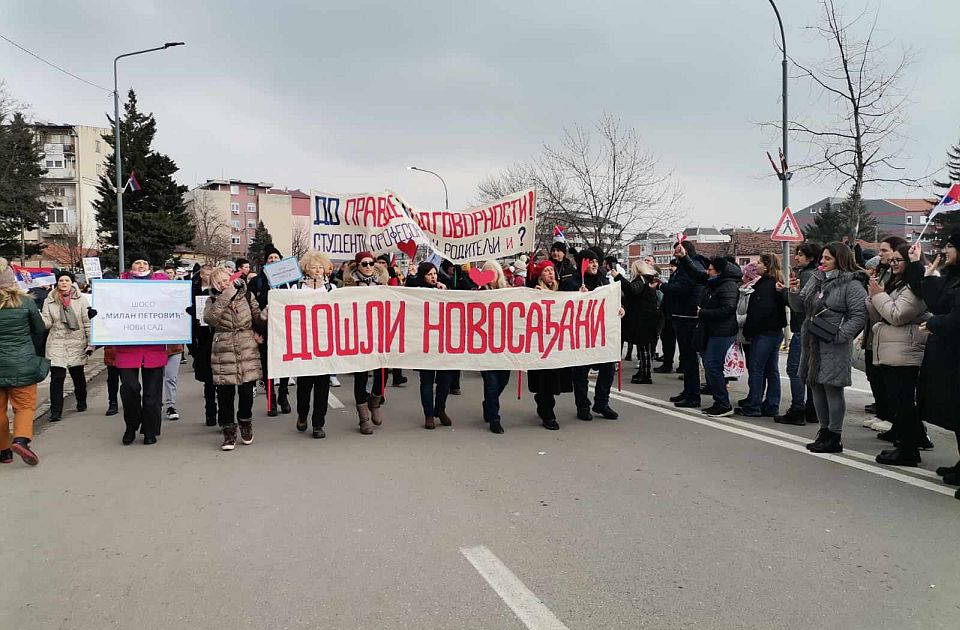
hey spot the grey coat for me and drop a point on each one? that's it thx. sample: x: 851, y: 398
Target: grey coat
x: 828, y: 362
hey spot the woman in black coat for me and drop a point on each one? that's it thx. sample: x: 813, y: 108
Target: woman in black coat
x: 938, y: 387
x: 546, y: 385
x: 641, y: 321
x: 766, y: 319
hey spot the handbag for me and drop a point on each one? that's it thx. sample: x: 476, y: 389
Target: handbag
x: 823, y: 329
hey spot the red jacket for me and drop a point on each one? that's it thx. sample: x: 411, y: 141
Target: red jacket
x: 141, y: 356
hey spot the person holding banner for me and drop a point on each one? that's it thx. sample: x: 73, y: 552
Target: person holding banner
x: 364, y: 272
x: 393, y: 280
x: 66, y: 314
x: 494, y: 381
x: 546, y: 385
x: 434, y: 384
x: 235, y: 358
x: 591, y: 277
x: 141, y: 371
x: 21, y: 367
x: 315, y: 266
x: 260, y: 288
x: 835, y: 304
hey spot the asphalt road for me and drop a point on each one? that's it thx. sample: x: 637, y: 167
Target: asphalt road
x: 662, y: 519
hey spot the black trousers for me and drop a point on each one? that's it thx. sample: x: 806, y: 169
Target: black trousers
x: 644, y: 358
x: 226, y: 395
x: 898, y: 389
x: 668, y: 342
x: 141, y: 403
x: 210, y: 399
x: 683, y: 328
x: 876, y: 380
x: 319, y: 386
x: 546, y: 403
x: 57, y: 377
x: 113, y: 383
x: 360, y: 379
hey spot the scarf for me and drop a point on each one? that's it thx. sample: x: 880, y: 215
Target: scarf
x: 362, y: 280
x: 68, y: 316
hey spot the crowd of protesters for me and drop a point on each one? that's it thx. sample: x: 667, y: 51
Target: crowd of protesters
x: 898, y: 312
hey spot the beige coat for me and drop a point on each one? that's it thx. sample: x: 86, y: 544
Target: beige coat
x: 895, y: 322
x: 235, y: 355
x: 65, y: 347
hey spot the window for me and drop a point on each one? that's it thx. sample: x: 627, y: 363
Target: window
x: 57, y: 215
x: 909, y: 238
x: 234, y: 189
x: 251, y: 191
x: 98, y: 146
x: 236, y: 224
x: 235, y: 207
x: 743, y: 261
x: 923, y: 219
x: 812, y: 211
x: 252, y: 208
x: 54, y: 163
x: 909, y: 220
x: 58, y: 191
x: 252, y: 224
x: 235, y: 240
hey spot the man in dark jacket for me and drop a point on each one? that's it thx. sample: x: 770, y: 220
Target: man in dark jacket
x: 605, y: 371
x: 717, y: 328
x: 682, y: 294
x: 801, y: 411
x: 568, y: 275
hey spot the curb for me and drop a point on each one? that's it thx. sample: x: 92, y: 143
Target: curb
x: 42, y: 411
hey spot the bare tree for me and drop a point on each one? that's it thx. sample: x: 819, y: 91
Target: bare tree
x: 862, y: 142
x: 300, y: 241
x: 601, y: 185
x: 70, y: 236
x: 212, y: 240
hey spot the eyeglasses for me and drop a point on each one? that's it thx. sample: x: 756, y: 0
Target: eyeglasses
x: 366, y: 264
x: 896, y: 261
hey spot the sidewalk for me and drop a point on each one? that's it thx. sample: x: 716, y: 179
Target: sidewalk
x: 95, y: 367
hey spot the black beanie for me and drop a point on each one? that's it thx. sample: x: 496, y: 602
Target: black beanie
x: 59, y: 273
x: 719, y: 263
x: 135, y: 256
x: 271, y: 249
x: 954, y: 239
x: 559, y: 246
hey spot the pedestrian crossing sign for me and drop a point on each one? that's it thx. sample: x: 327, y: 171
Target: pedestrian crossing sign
x: 787, y: 228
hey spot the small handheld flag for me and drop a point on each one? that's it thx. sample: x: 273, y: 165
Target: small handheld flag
x: 558, y: 234
x: 132, y: 182
x: 949, y: 203
x: 584, y: 265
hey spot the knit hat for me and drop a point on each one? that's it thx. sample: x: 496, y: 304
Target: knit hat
x: 361, y: 255
x: 59, y: 273
x: 229, y: 264
x: 873, y: 263
x: 750, y: 272
x: 954, y: 239
x: 559, y: 246
x: 271, y: 249
x: 135, y: 256
x: 8, y: 279
x: 719, y: 263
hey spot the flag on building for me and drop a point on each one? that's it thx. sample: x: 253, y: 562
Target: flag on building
x: 132, y: 182
x: 949, y: 203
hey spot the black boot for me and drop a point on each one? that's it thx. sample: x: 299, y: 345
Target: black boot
x: 831, y: 443
x: 821, y: 434
x: 793, y: 416
x: 284, y: 401
x: 948, y: 470
x: 112, y: 409
x: 899, y: 457
x: 272, y: 413
x: 56, y: 415
x: 666, y: 368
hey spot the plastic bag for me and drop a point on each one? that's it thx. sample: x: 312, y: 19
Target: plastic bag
x: 735, y: 363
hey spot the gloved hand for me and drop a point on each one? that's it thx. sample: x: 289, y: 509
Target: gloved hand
x: 91, y: 312
x: 190, y: 310
x: 238, y: 284
x: 89, y: 350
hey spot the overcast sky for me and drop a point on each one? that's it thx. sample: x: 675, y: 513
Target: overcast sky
x: 342, y: 96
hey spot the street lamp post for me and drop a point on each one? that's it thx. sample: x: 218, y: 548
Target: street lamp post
x: 446, y: 196
x: 116, y: 145
x: 786, y: 174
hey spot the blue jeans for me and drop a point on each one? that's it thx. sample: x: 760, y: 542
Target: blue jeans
x: 763, y: 370
x: 798, y: 390
x: 713, y: 358
x: 601, y: 391
x: 494, y: 382
x: 434, y: 402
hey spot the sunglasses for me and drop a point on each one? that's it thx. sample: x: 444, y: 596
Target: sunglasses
x: 366, y: 264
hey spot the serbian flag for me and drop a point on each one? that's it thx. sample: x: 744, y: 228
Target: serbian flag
x: 584, y: 267
x: 31, y: 277
x: 558, y: 234
x: 949, y: 203
x: 132, y: 182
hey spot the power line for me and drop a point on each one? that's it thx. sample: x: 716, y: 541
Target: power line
x: 53, y: 65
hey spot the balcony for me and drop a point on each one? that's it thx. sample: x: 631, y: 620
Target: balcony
x: 61, y: 173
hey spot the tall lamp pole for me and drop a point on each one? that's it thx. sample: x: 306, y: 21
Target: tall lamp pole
x: 446, y: 197
x: 116, y: 145
x: 786, y: 174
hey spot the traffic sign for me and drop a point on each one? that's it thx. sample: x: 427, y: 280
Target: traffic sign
x: 787, y: 228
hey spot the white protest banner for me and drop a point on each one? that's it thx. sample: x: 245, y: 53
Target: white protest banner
x: 286, y: 271
x: 200, y: 303
x: 365, y: 328
x: 498, y: 229
x: 140, y: 312
x: 91, y: 268
x: 344, y: 225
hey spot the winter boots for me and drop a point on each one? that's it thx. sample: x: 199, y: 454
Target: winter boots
x: 366, y: 426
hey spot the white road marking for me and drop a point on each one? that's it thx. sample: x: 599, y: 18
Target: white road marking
x: 779, y: 434
x: 729, y: 427
x: 521, y: 600
x: 334, y: 402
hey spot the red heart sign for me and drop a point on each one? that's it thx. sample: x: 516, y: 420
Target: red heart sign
x: 482, y: 278
x: 409, y: 248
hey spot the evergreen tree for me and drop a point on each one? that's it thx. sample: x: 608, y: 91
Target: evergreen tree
x: 261, y: 238
x: 833, y: 222
x: 949, y: 222
x: 155, y: 219
x: 21, y: 208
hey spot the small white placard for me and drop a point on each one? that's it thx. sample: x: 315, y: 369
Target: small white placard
x: 200, y: 303
x: 282, y: 272
x: 91, y: 268
x: 141, y: 312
